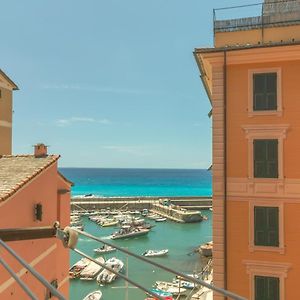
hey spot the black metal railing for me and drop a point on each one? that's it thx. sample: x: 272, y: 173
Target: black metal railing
x: 258, y: 15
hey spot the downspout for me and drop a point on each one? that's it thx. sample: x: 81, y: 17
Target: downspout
x: 225, y: 166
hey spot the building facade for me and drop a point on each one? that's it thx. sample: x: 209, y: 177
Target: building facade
x: 251, y: 76
x: 33, y: 194
x: 7, y: 86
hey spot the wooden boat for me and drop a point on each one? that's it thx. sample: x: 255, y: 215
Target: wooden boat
x: 96, y: 295
x: 107, y: 276
x: 156, y: 252
x: 105, y: 249
x: 78, y: 267
x: 127, y: 231
x: 91, y: 271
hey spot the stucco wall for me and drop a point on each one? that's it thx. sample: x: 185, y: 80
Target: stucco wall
x: 48, y: 255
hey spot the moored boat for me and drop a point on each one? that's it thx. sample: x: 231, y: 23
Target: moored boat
x: 91, y: 271
x: 96, y: 295
x: 107, y: 276
x: 108, y: 223
x: 156, y: 252
x: 170, y: 287
x: 206, y: 249
x: 78, y: 267
x: 160, y: 219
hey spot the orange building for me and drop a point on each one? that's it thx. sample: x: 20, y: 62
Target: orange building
x: 252, y: 76
x: 33, y: 194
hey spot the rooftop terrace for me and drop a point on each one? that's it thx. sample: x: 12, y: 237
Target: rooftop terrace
x: 257, y: 16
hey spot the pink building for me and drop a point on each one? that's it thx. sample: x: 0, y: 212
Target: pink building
x: 34, y: 194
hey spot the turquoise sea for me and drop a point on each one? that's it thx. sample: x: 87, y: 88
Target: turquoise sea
x: 180, y: 239
x: 139, y: 182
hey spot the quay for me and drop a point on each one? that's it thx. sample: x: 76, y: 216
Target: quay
x: 178, y: 209
x: 139, y: 203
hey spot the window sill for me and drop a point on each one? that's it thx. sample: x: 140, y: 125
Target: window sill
x: 277, y: 113
x: 279, y: 249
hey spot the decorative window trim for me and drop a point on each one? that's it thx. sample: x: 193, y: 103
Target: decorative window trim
x: 252, y: 246
x: 269, y: 269
x: 265, y: 132
x: 278, y: 111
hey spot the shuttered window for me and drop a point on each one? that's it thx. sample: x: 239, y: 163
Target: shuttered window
x: 265, y: 158
x: 264, y: 91
x: 266, y: 288
x: 266, y: 226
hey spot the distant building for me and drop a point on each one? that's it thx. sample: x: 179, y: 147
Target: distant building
x: 252, y: 77
x: 7, y: 86
x: 32, y: 194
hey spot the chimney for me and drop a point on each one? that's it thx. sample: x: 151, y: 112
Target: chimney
x: 40, y: 150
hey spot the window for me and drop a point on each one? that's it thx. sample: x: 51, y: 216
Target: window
x: 264, y: 91
x: 266, y: 288
x: 266, y: 226
x: 265, y: 158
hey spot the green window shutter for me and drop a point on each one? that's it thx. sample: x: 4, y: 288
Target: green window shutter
x: 272, y: 234
x: 260, y: 226
x: 273, y: 288
x: 266, y: 288
x: 260, y: 290
x: 266, y: 226
x: 265, y: 158
x: 264, y: 91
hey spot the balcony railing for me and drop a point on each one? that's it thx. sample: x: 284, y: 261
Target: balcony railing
x: 253, y: 16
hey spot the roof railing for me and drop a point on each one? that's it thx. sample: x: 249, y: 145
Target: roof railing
x: 257, y: 15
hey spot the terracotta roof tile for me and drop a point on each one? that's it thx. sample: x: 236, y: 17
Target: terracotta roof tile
x: 17, y: 170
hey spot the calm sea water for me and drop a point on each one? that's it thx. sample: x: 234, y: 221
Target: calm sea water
x: 139, y: 182
x: 180, y: 239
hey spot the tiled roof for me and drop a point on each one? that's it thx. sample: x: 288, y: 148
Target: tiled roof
x: 16, y: 171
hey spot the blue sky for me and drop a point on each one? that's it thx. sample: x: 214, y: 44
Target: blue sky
x: 110, y: 83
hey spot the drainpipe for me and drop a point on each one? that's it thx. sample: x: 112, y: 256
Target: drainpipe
x: 225, y: 166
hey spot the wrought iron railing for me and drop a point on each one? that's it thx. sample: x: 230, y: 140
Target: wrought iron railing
x: 257, y: 15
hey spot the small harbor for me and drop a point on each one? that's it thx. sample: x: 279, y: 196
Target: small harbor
x: 181, y: 256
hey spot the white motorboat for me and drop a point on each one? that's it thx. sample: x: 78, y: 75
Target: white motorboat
x: 129, y: 231
x: 105, y: 249
x: 78, y: 267
x: 96, y: 295
x: 170, y: 287
x: 91, y: 271
x: 107, y: 276
x: 160, y: 219
x: 153, y: 216
x: 156, y: 252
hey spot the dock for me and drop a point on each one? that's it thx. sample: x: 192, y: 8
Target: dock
x: 138, y: 203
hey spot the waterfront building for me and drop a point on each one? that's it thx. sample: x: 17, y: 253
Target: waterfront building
x: 251, y: 76
x: 33, y: 194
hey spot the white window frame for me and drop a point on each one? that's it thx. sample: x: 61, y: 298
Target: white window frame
x: 278, y: 111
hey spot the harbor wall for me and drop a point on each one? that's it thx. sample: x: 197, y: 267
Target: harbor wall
x: 138, y: 203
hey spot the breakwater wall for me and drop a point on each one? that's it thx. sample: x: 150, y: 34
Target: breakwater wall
x: 137, y: 203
